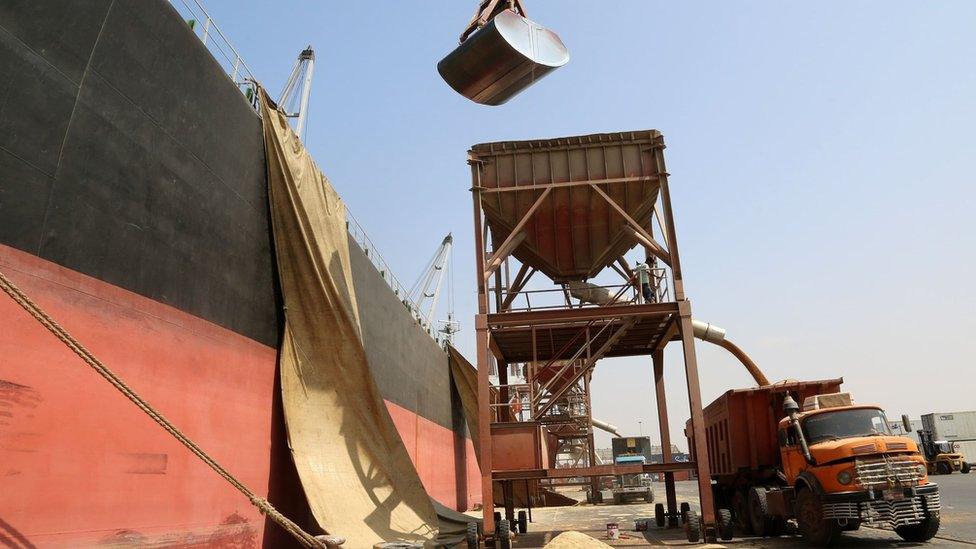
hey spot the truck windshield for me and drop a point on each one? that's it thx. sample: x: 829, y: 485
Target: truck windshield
x: 845, y: 424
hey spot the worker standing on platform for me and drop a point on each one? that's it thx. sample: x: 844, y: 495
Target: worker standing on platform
x: 644, y: 278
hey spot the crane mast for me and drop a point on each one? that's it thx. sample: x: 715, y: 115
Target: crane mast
x: 299, y: 79
x: 426, y: 292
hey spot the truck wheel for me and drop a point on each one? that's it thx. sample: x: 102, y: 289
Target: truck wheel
x: 471, y: 535
x: 944, y: 468
x: 920, y: 532
x: 618, y: 499
x: 762, y: 523
x: 503, y: 535
x: 965, y: 467
x: 659, y: 515
x: 685, y: 507
x: 523, y: 522
x: 851, y: 526
x: 809, y: 515
x: 725, y: 525
x: 740, y: 512
x: 649, y: 496
x: 693, y: 526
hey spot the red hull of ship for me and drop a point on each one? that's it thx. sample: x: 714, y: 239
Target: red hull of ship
x: 81, y: 465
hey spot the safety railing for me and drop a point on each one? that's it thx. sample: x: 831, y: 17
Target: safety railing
x: 219, y: 46
x: 399, y: 290
x: 591, y: 296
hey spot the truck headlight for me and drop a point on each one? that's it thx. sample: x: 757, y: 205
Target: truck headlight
x: 845, y: 477
x: 922, y: 470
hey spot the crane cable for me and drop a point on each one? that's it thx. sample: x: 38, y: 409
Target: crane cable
x: 262, y: 504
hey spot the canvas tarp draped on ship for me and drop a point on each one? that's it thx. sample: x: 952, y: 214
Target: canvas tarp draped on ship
x: 357, y: 475
x: 466, y: 382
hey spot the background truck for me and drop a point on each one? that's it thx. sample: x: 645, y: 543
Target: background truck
x: 830, y: 466
x: 630, y: 450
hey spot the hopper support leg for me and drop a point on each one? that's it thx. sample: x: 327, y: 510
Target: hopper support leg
x: 666, y: 456
x: 697, y: 417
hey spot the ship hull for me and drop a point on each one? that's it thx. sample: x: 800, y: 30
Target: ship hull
x: 133, y: 208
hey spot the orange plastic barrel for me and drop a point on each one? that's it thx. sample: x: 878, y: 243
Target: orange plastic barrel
x: 501, y: 59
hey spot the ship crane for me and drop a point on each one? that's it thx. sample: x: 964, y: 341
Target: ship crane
x: 426, y: 292
x: 297, y: 88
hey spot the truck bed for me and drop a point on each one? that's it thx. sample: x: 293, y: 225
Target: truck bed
x: 740, y: 425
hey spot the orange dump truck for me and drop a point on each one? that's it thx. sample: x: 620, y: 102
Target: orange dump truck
x: 827, y: 463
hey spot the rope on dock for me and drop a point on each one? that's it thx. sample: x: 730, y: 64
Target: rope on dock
x: 262, y: 504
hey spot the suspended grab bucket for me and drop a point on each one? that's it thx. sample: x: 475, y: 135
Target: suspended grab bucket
x: 502, y: 58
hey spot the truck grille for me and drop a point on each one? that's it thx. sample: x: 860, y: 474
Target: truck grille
x: 887, y: 472
x: 885, y: 513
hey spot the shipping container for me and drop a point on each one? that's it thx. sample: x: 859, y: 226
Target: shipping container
x: 967, y: 449
x: 951, y: 425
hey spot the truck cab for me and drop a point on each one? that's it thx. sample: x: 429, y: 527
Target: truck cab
x: 634, y: 485
x: 631, y: 451
x: 843, y: 467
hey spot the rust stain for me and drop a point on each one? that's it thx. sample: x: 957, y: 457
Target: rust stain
x: 234, y: 532
x: 16, y: 398
x: 139, y: 463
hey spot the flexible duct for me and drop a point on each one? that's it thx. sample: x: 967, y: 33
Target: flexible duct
x: 716, y: 335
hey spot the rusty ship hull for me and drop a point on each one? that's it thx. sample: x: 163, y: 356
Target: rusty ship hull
x: 133, y: 208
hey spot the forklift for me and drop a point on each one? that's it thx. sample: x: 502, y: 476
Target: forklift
x: 941, y: 456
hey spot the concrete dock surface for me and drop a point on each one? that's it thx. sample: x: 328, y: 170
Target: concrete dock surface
x: 958, y: 522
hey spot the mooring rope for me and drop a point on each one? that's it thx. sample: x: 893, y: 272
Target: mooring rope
x: 264, y: 505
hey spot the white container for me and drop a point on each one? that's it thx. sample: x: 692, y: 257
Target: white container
x: 951, y: 425
x: 613, y: 530
x: 967, y: 449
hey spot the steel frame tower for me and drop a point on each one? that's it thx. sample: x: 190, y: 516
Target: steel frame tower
x: 567, y: 207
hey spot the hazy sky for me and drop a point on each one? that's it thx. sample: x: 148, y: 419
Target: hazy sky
x: 822, y: 159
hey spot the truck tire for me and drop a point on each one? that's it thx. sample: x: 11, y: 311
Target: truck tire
x: 618, y: 499
x: 944, y: 468
x: 965, y: 467
x: 685, y: 507
x: 523, y: 522
x: 762, y: 523
x: 659, y: 517
x: 649, y: 496
x: 921, y: 532
x: 693, y: 526
x: 503, y: 535
x: 471, y: 535
x: 725, y: 525
x: 815, y: 530
x: 740, y: 512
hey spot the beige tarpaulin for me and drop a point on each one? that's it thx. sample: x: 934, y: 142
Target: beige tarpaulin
x: 465, y: 378
x: 356, y: 473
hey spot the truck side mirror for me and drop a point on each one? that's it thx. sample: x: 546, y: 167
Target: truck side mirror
x: 906, y: 423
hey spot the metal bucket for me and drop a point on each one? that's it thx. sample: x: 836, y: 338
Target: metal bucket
x: 501, y: 59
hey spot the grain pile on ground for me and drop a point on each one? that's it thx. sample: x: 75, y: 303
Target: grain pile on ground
x: 574, y: 540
